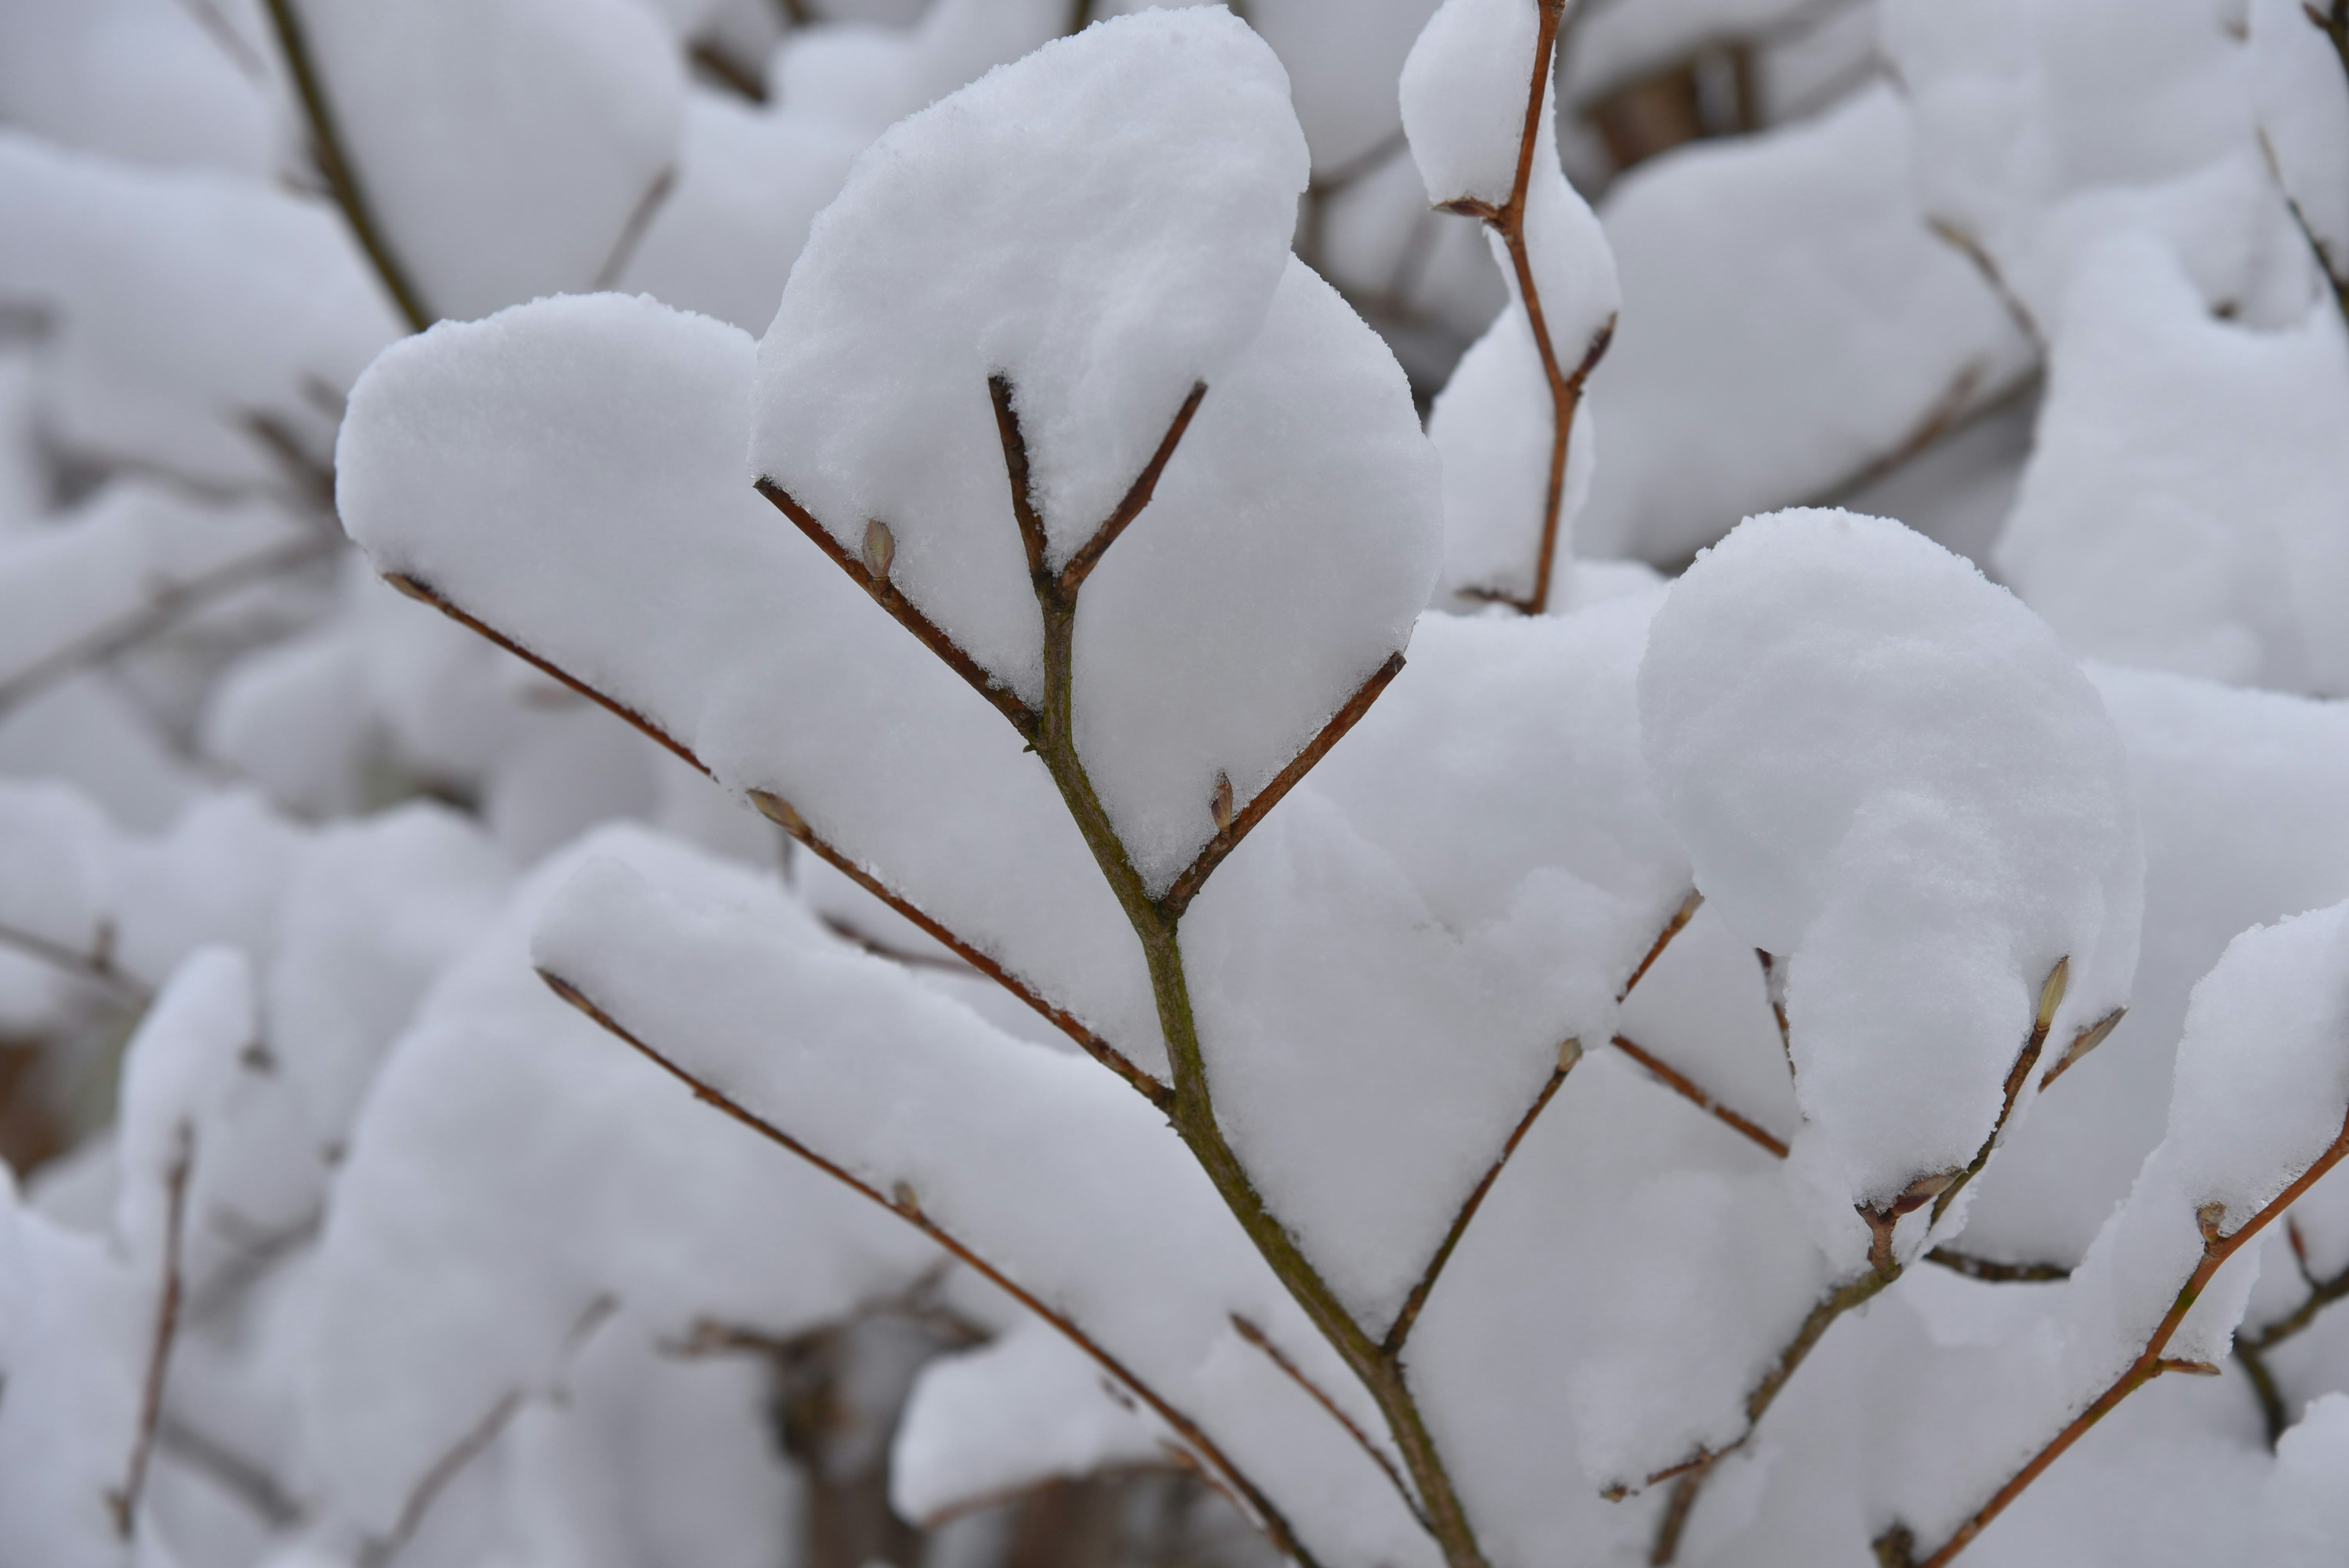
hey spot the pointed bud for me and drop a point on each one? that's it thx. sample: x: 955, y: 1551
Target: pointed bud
x: 1221, y: 803
x: 1569, y: 1052
x: 2051, y: 993
x: 880, y: 551
x: 779, y: 812
x: 2207, y: 1218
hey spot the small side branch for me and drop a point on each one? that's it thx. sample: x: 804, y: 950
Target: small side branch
x: 902, y: 611
x: 123, y: 1504
x: 782, y: 812
x: 97, y: 968
x: 2252, y: 1349
x: 1137, y: 496
x: 470, y: 1446
x: 905, y: 1206
x: 1194, y: 875
x: 2218, y: 1245
x: 335, y: 165
x: 1991, y: 1272
x: 1279, y: 1359
x: 1683, y: 1086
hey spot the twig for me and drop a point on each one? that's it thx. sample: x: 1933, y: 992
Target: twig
x: 902, y: 1204
x: 1569, y: 1052
x: 1684, y: 1086
x: 335, y: 165
x: 1137, y: 496
x: 124, y: 1505
x: 2252, y: 1349
x: 785, y: 815
x: 1994, y: 1273
x: 2018, y: 1077
x: 894, y: 954
x: 1773, y: 990
x: 1508, y: 221
x: 158, y: 615
x: 640, y: 218
x: 97, y: 968
x: 240, y: 1477
x: 470, y: 1446
x: 1279, y: 1359
x: 2218, y: 1246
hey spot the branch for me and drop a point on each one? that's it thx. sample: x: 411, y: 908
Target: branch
x: 1991, y: 1272
x: 1508, y: 221
x: 1194, y: 875
x: 1137, y: 496
x: 1569, y: 1052
x: 470, y: 1446
x: 124, y: 1503
x: 2252, y: 1349
x: 248, y: 1482
x: 1684, y: 1086
x: 2151, y: 1362
x: 335, y: 166
x: 906, y: 1207
x: 783, y: 814
x: 1273, y: 1353
x: 902, y: 609
x: 640, y: 217
x: 2051, y: 997
x: 97, y: 968
x: 163, y: 611
x: 1774, y: 989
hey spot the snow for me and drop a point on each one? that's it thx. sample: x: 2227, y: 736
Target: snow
x: 570, y: 472
x: 1382, y: 975
x: 1465, y: 87
x: 183, y: 302
x: 1342, y: 57
x: 1103, y: 225
x: 1708, y: 408
x: 2181, y: 506
x: 1281, y: 562
x: 503, y: 146
x: 1887, y: 772
x: 1102, y: 1216
x: 140, y: 80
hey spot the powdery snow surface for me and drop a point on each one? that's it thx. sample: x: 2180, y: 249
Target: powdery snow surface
x: 1282, y: 560
x: 2182, y: 505
x: 503, y: 146
x: 1887, y: 772
x: 571, y: 473
x: 1383, y: 973
x: 1465, y: 90
x: 1043, y: 1165
x: 1708, y: 408
x: 1103, y: 225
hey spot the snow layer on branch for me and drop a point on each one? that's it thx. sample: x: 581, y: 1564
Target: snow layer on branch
x: 1026, y: 1408
x: 1283, y: 560
x: 141, y: 79
x: 748, y: 185
x: 1103, y: 225
x: 1076, y: 1190
x: 2239, y: 794
x: 513, y: 1166
x: 503, y: 146
x: 1632, y: 1275
x: 2039, y: 129
x: 1465, y: 87
x: 570, y: 472
x: 1710, y: 408
x: 1887, y: 770
x: 864, y: 75
x: 2183, y: 501
x: 182, y: 303
x: 1384, y: 971
x: 1465, y: 99
x: 2300, y: 83
x: 1493, y: 425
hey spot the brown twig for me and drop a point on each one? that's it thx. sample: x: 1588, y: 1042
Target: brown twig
x: 785, y: 815
x: 470, y: 1446
x: 240, y: 1477
x: 1992, y: 1271
x: 1569, y: 1052
x: 1508, y: 221
x: 905, y: 1206
x: 2018, y: 1077
x: 158, y: 615
x: 1137, y: 496
x: 2218, y: 1246
x: 1279, y: 1359
x: 1773, y: 991
x: 335, y: 166
x: 639, y: 219
x: 97, y: 968
x: 2252, y: 1349
x: 123, y: 1504
x: 1681, y: 1084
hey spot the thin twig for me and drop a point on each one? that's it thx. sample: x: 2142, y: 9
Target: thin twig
x: 1683, y: 1086
x: 2218, y: 1246
x: 240, y: 1477
x: 1279, y: 1359
x: 335, y: 166
x: 1569, y: 1052
x: 2252, y: 1349
x: 1508, y: 221
x: 97, y: 968
x: 1992, y: 1271
x: 164, y: 610
x: 124, y: 1503
x: 903, y: 1205
x: 470, y: 1446
x: 1137, y: 496
x: 632, y: 232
